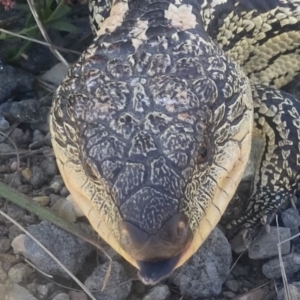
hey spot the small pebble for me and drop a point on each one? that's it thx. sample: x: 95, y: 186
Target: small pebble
x: 240, y: 270
x: 114, y: 290
x: 272, y: 270
x: 65, y: 210
x: 204, y: 274
x: 3, y: 230
x: 77, y: 295
x: 18, y: 292
x: 4, y: 125
x: 294, y: 290
x: 16, y: 212
x: 232, y: 285
x: 159, y: 292
x: 27, y: 174
x: 49, y: 167
x: 38, y: 136
x: 14, y: 231
x: 42, y: 200
x: 13, y: 180
x: 61, y: 296
x: 3, y: 273
x: 4, y: 244
x: 25, y: 189
x: 64, y: 192
x: 20, y: 272
x: 4, y: 148
x: 290, y: 218
x: 229, y: 294
x: 265, y: 245
x: 42, y: 291
x: 57, y: 184
x: 47, y: 139
x: 38, y: 177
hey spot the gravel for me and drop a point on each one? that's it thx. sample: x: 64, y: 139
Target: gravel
x: 114, y: 290
x: 14, y: 82
x: 18, y: 292
x: 204, y: 274
x: 265, y: 245
x: 291, y: 262
x: 159, y: 292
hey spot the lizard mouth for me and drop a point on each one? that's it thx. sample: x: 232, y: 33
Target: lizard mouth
x: 152, y: 272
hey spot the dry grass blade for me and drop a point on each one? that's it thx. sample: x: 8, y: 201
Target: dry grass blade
x: 37, y: 269
x: 50, y: 254
x: 16, y: 154
x: 15, y: 146
x: 44, y: 33
x: 236, y: 261
x: 107, y: 275
x: 39, y: 42
x: 283, y: 274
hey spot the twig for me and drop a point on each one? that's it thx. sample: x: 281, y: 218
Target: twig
x: 284, y: 278
x: 37, y: 269
x: 39, y: 42
x: 236, y: 261
x: 44, y: 33
x: 50, y: 254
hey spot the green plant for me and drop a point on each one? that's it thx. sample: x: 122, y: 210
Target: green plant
x: 52, y: 14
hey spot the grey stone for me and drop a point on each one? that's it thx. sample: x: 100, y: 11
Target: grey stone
x: 14, y: 81
x: 25, y: 111
x: 240, y: 270
x: 229, y: 294
x: 3, y: 230
x: 159, y: 292
x: 13, y: 180
x: 3, y: 273
x: 20, y: 136
x: 4, y: 288
x: 265, y: 245
x: 294, y: 291
x: 114, y: 290
x: 4, y: 148
x: 204, y: 274
x: 14, y: 231
x: 272, y: 270
x: 3, y: 124
x: 20, y: 272
x: 4, y: 244
x: 69, y: 249
x: 290, y: 218
x: 74, y: 295
x: 17, y: 292
x: 232, y: 285
x: 42, y: 291
x: 49, y: 166
x: 56, y: 74
x: 38, y: 136
x: 38, y: 177
x: 16, y: 212
x: 61, y: 296
x: 47, y: 139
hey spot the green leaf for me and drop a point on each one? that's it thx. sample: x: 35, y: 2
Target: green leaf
x: 60, y: 12
x: 63, y: 25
